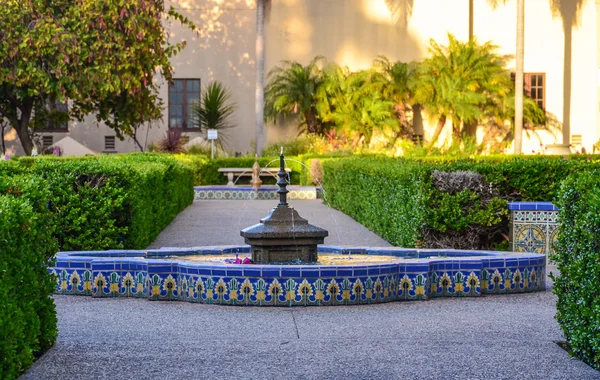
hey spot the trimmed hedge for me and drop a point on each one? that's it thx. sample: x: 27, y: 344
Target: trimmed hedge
x: 577, y: 256
x: 28, y: 325
x: 111, y: 202
x: 421, y: 211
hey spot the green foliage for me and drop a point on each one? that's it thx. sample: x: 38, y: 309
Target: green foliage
x: 101, y: 55
x: 385, y: 196
x: 108, y: 202
x: 464, y: 217
x: 28, y: 325
x: 354, y: 102
x: 303, y: 144
x: 291, y: 90
x: 460, y: 81
x: 214, y: 111
x: 578, y: 262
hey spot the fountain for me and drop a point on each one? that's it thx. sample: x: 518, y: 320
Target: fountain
x: 283, y: 236
x: 289, y: 268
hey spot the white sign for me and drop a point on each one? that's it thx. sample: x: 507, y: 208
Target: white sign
x: 212, y: 134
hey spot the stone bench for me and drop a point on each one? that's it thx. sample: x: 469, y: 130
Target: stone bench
x: 247, y: 172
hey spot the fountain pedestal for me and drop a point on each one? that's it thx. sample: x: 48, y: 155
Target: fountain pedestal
x: 283, y: 236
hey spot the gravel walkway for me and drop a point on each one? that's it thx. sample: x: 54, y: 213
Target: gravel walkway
x: 493, y: 337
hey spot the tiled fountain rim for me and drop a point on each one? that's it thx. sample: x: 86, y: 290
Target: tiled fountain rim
x: 123, y: 273
x: 532, y: 206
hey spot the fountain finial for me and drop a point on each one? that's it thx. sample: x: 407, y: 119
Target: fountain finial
x: 282, y: 182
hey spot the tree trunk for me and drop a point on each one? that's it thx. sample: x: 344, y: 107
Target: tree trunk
x: 260, y: 74
x: 22, y: 127
x: 520, y: 58
x: 566, y: 127
x: 438, y: 130
x: 311, y: 122
x: 470, y: 20
x: 2, y: 127
x: 456, y: 130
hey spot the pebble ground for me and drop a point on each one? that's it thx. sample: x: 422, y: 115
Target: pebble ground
x: 492, y: 337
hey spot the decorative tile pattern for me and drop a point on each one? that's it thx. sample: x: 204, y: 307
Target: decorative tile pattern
x: 533, y: 227
x: 416, y: 275
x: 246, y: 193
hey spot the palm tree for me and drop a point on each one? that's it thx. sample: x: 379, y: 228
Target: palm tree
x: 568, y: 11
x: 519, y: 71
x: 214, y: 111
x: 354, y: 102
x: 262, y: 12
x: 458, y: 81
x: 292, y: 89
x: 396, y: 80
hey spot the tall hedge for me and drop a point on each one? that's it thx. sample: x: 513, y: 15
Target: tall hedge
x: 109, y: 202
x: 27, y: 314
x: 459, y: 203
x: 578, y: 262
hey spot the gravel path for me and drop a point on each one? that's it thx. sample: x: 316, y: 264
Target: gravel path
x: 493, y: 337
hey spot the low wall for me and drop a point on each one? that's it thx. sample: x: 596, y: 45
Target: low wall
x: 533, y: 226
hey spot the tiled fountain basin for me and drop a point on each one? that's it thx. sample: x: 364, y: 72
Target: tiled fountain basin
x: 413, y: 275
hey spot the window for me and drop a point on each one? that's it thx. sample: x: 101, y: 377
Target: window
x: 109, y: 142
x: 47, y: 142
x: 53, y: 117
x: 183, y: 93
x: 534, y: 85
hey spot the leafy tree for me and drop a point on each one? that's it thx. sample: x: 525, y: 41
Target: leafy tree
x: 101, y: 55
x: 214, y: 110
x: 458, y: 81
x: 396, y: 80
x: 354, y: 102
x: 292, y: 89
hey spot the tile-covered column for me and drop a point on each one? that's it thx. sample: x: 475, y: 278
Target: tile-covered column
x: 533, y: 226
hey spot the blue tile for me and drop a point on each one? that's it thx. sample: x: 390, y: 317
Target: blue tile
x: 251, y: 272
x: 234, y: 272
x: 290, y: 272
x: 310, y: 273
x: 271, y: 272
x: 219, y: 272
x: 329, y: 272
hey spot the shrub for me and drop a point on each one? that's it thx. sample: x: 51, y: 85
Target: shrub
x: 108, y: 202
x: 462, y: 202
x: 28, y: 325
x: 577, y: 256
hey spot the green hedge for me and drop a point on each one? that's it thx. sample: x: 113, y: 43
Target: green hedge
x: 111, y: 202
x: 578, y: 262
x: 28, y: 325
x: 422, y: 212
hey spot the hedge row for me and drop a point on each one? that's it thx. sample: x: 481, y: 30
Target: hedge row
x: 436, y: 203
x: 110, y: 202
x: 27, y: 314
x: 578, y: 262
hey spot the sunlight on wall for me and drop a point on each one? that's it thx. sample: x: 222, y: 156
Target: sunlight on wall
x: 377, y: 11
x: 298, y: 35
x: 350, y: 55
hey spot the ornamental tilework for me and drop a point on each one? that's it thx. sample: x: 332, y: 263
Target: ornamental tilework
x: 126, y: 274
x: 533, y: 231
x: 247, y: 194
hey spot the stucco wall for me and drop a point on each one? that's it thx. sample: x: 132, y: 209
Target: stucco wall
x: 355, y: 32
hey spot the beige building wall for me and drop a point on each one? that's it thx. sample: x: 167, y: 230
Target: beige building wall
x: 355, y: 32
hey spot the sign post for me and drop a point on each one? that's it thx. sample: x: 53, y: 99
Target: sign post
x: 213, y: 134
